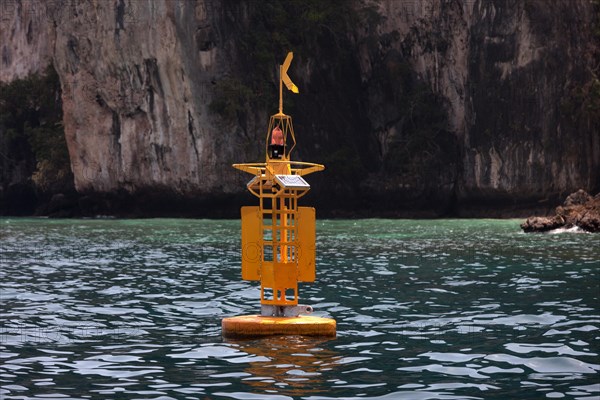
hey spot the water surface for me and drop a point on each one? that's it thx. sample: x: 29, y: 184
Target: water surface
x: 443, y: 309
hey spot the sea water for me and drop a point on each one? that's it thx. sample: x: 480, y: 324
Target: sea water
x: 436, y: 309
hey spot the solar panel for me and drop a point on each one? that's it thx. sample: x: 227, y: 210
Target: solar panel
x: 292, y: 182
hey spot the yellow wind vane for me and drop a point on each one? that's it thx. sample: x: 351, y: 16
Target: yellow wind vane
x: 284, y: 77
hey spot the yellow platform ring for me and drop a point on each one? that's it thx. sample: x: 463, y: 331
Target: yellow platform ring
x: 248, y: 326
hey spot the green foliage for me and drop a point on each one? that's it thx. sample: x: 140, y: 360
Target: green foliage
x: 344, y: 164
x: 370, y: 14
x: 593, y: 86
x: 273, y: 28
x: 594, y: 96
x: 582, y: 101
x: 422, y: 141
x: 31, y: 120
x: 420, y: 135
x: 596, y: 25
x: 231, y: 98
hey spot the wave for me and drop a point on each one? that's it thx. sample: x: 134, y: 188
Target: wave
x: 573, y: 229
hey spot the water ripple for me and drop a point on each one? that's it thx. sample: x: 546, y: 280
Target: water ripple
x: 446, y: 309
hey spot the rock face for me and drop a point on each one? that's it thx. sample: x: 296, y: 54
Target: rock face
x: 455, y: 107
x: 522, y: 78
x: 134, y: 87
x: 579, y: 210
x: 136, y: 84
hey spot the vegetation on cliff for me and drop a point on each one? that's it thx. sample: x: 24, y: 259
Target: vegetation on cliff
x: 312, y: 29
x: 582, y: 105
x: 365, y: 159
x: 35, y: 160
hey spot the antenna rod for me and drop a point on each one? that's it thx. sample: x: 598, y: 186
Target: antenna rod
x: 280, y: 91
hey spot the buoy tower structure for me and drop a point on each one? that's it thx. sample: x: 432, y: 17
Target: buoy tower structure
x: 279, y: 236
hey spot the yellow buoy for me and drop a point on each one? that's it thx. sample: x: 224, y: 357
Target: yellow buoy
x: 278, y: 236
x: 248, y: 326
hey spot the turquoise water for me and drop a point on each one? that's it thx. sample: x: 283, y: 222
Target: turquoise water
x: 440, y: 309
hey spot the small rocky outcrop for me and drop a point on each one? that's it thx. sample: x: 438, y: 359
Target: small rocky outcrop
x: 580, y: 209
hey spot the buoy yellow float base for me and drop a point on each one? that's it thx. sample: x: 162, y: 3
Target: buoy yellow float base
x: 248, y: 326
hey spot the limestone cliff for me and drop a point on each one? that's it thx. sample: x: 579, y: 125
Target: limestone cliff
x: 506, y: 72
x: 440, y: 105
x: 135, y: 88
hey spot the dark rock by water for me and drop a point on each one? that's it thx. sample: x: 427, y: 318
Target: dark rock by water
x: 580, y: 209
